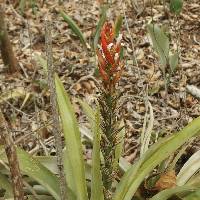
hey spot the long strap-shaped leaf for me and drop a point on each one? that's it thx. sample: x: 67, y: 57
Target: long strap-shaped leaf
x: 74, y: 27
x: 37, y: 171
x: 190, y: 168
x: 166, y: 194
x: 34, y: 169
x: 74, y: 163
x: 99, y: 26
x: 160, y: 42
x: 154, y: 156
x: 97, y: 185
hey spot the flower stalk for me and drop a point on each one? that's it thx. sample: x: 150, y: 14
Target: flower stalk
x: 110, y: 69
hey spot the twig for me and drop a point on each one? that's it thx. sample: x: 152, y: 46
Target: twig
x: 56, y: 128
x: 12, y: 106
x: 16, y: 178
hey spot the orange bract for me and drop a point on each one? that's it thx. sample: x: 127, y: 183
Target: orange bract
x: 108, y: 54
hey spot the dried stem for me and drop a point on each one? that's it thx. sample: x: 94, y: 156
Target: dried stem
x: 16, y: 178
x: 8, y: 56
x: 55, y: 114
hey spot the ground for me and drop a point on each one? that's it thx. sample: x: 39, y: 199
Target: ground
x: 26, y: 97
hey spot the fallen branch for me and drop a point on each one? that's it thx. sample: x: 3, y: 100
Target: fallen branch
x: 8, y: 56
x: 16, y: 178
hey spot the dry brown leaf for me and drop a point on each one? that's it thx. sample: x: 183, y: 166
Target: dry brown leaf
x: 167, y: 180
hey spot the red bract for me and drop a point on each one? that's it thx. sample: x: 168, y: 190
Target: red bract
x: 108, y: 53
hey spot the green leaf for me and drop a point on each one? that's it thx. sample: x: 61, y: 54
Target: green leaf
x: 173, y: 61
x: 99, y: 26
x: 166, y: 194
x: 160, y: 43
x: 38, y: 172
x: 34, y: 6
x: 50, y: 162
x: 22, y: 5
x: 6, y: 185
x: 147, y: 129
x: 90, y: 113
x: 190, y: 168
x: 176, y: 6
x: 97, y: 185
x: 73, y: 159
x: 124, y: 164
x: 69, y: 173
x: 153, y: 157
x: 34, y: 169
x: 194, y: 180
x: 39, y: 168
x: 193, y: 196
x: 74, y: 27
x: 178, y: 155
x: 121, y: 54
x: 118, y: 25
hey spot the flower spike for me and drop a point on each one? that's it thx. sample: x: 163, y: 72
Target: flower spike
x: 108, y: 54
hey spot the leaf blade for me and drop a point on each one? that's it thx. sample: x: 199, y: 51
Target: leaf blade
x: 74, y: 27
x: 97, y: 185
x: 166, y: 194
x: 37, y: 171
x: 173, y: 61
x: 189, y: 169
x: 99, y: 26
x: 118, y: 25
x: 160, y: 42
x: 5, y: 184
x: 155, y: 155
x: 73, y: 143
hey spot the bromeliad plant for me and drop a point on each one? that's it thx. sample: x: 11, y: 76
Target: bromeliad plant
x: 97, y: 181
x: 110, y: 69
x: 168, y: 58
x: 106, y: 137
